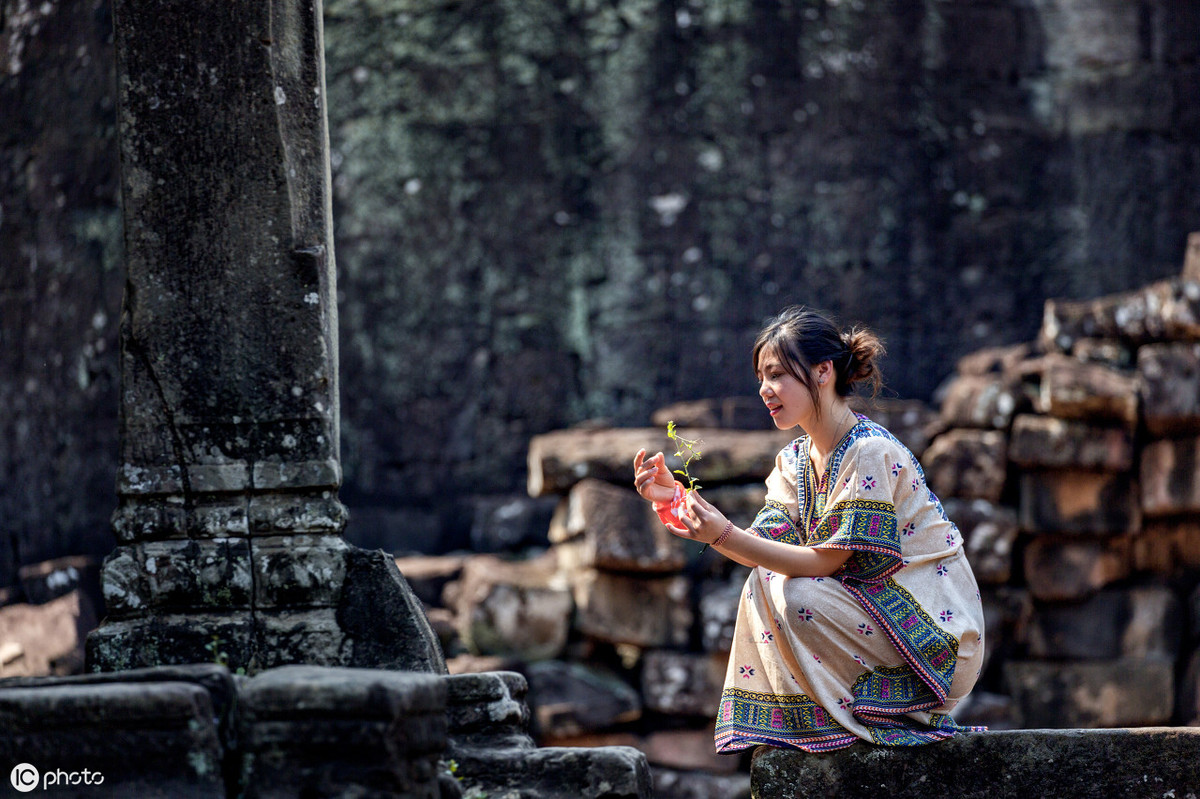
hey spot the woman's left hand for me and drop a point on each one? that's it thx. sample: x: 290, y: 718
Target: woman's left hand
x: 703, y: 521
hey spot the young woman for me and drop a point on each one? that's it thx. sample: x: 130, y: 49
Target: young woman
x: 861, y: 618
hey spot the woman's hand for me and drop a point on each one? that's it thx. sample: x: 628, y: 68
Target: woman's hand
x: 703, y: 521
x: 652, y: 478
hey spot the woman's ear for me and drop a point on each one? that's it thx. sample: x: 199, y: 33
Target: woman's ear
x: 824, y: 371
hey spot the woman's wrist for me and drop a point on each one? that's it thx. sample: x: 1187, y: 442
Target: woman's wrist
x: 724, y: 536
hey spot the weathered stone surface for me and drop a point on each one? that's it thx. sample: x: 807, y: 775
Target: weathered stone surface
x: 682, y: 684
x: 990, y: 531
x: 607, y: 772
x: 305, y: 730
x: 687, y: 749
x: 1191, y: 258
x: 644, y: 611
x: 1073, y: 389
x: 1130, y: 692
x: 487, y: 710
x: 1170, y: 476
x: 1046, y: 442
x: 1073, y: 764
x: 734, y: 413
x: 559, y: 459
x: 1170, y: 386
x: 1129, y: 623
x: 967, y: 463
x: 1165, y: 310
x: 718, y: 611
x: 520, y: 609
x: 41, y: 582
x: 987, y: 401
x: 152, y: 739
x: 672, y: 784
x: 1063, y: 569
x: 429, y: 575
x: 1188, y: 704
x: 994, y: 360
x: 1078, y: 502
x: 46, y: 638
x: 1168, y: 546
x: 509, y: 523
x: 569, y: 699
x: 613, y: 528
x: 1007, y: 613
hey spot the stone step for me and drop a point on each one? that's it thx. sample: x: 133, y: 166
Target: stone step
x: 1066, y: 764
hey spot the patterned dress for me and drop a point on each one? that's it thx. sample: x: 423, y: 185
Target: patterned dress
x: 882, y: 650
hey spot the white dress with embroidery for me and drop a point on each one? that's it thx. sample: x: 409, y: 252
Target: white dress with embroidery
x: 882, y: 650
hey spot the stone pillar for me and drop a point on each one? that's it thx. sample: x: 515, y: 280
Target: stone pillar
x: 229, y: 525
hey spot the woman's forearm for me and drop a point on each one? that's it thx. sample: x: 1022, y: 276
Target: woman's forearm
x: 749, y: 549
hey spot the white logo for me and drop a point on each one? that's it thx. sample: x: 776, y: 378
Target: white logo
x: 24, y: 777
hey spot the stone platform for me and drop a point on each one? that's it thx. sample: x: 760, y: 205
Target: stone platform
x: 1144, y: 763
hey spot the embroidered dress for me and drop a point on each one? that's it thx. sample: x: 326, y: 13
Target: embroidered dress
x: 882, y: 650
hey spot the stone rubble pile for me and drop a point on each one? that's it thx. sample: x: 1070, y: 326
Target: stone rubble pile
x: 1071, y: 464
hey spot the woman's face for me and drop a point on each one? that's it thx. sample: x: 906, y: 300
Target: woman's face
x: 786, y: 398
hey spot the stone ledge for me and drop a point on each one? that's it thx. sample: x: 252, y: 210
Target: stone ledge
x: 1151, y: 762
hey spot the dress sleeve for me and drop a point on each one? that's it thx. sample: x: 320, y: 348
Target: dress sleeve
x: 777, y: 519
x: 861, y: 512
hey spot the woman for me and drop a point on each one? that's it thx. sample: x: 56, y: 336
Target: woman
x: 861, y: 618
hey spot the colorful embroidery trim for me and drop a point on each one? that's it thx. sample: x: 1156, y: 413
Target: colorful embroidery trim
x: 748, y: 718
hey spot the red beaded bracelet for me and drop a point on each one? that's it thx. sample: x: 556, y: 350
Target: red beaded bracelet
x: 724, y: 534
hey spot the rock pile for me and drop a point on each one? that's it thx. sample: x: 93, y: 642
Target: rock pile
x: 1069, y: 463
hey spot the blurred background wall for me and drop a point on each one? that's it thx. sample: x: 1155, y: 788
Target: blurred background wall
x: 550, y: 211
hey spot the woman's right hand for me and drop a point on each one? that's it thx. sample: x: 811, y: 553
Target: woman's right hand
x: 652, y: 478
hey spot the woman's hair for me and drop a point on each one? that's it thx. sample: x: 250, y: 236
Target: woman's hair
x: 803, y: 338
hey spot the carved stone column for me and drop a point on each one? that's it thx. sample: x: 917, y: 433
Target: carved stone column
x: 229, y: 524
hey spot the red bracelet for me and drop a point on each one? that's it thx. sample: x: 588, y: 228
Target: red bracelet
x: 724, y: 534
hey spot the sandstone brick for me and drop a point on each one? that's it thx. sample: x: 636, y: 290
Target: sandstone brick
x: 571, y: 699
x: 1078, y: 502
x: 733, y: 413
x: 1072, y: 389
x: 643, y: 611
x: 1111, y: 352
x: 1168, y: 546
x: 1191, y: 258
x: 508, y: 523
x: 718, y: 611
x: 518, y: 609
x: 683, y: 684
x: 990, y: 530
x: 687, y: 749
x: 1047, y: 442
x: 987, y: 401
x: 1170, y: 386
x: 967, y: 463
x: 994, y: 360
x: 1170, y: 476
x: 1007, y: 613
x: 1130, y: 623
x: 559, y: 459
x: 428, y: 575
x: 1129, y: 692
x: 1063, y: 569
x: 614, y: 528
x: 37, y: 640
x: 1166, y: 310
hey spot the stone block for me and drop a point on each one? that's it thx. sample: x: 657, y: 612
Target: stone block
x: 570, y: 699
x: 1170, y: 476
x: 606, y: 772
x: 1015, y: 764
x: 731, y: 413
x: 1047, y: 442
x: 1191, y: 258
x: 520, y: 609
x: 1093, y: 392
x: 691, y: 749
x: 1168, y: 546
x: 199, y: 573
x: 487, y: 710
x: 682, y: 684
x: 994, y: 360
x: 314, y: 514
x: 509, y: 523
x: 1113, y: 353
x: 559, y: 459
x: 298, y: 570
x: 1006, y: 615
x: 1163, y: 311
x: 970, y: 464
x: 1130, y: 692
x: 1078, y: 502
x: 1187, y: 706
x: 317, y: 731
x: 47, y: 638
x: 990, y: 531
x: 674, y: 784
x: 1128, y: 623
x: 312, y: 636
x: 643, y: 611
x: 1058, y: 569
x: 1170, y: 386
x: 50, y: 579
x: 614, y: 528
x: 718, y: 611
x: 148, y: 739
x: 985, y: 401
x: 135, y: 643
x: 428, y: 575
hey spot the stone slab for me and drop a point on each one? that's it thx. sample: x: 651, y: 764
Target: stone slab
x: 1170, y: 477
x: 1017, y: 764
x: 967, y: 463
x: 1080, y: 502
x: 1170, y: 387
x: 1046, y: 442
x: 1125, y: 692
